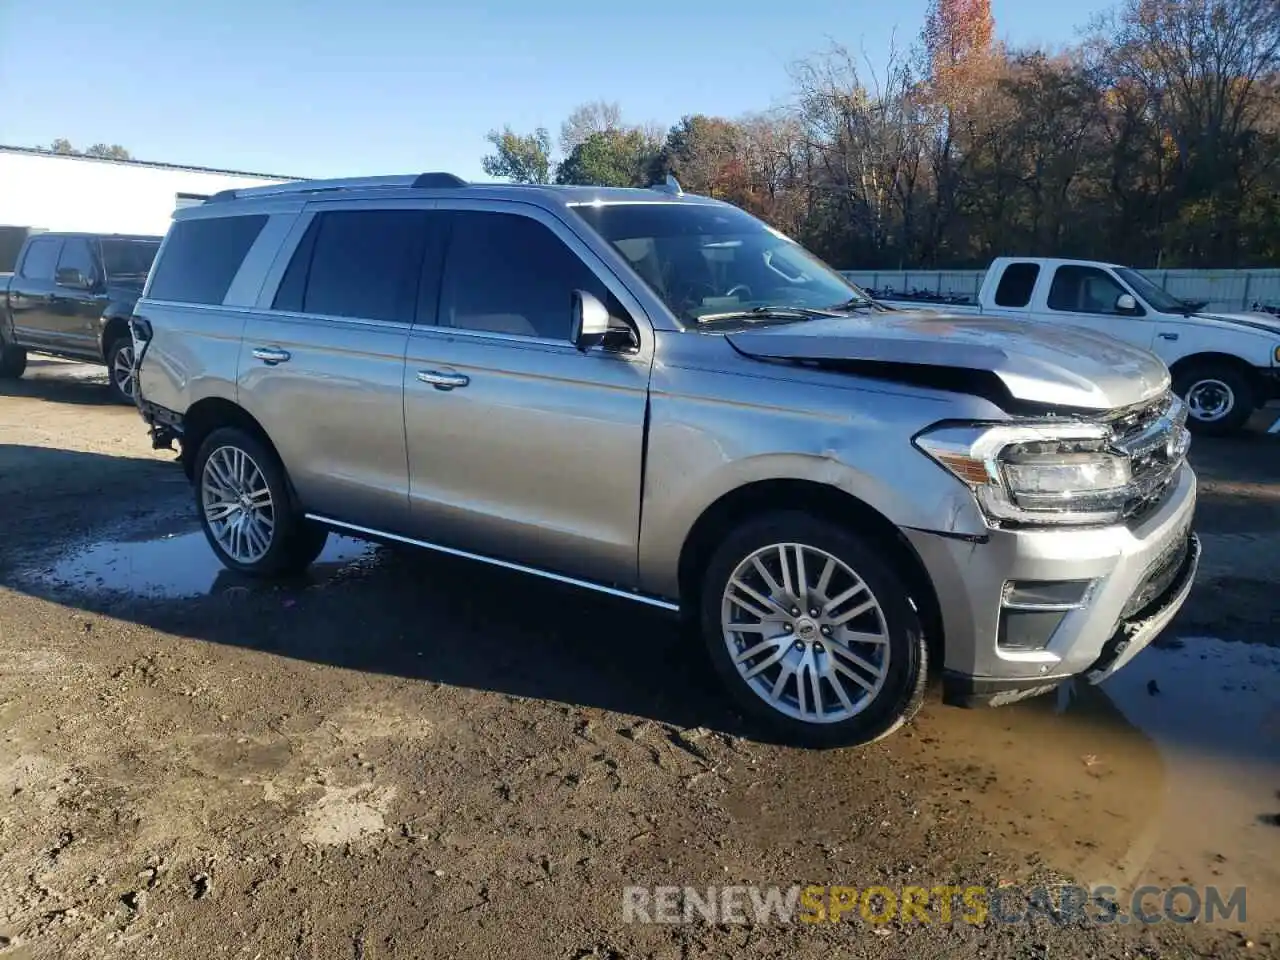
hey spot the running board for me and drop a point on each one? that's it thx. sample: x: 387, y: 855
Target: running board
x: 505, y: 564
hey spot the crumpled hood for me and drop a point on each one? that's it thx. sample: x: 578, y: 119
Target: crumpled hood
x: 1037, y: 363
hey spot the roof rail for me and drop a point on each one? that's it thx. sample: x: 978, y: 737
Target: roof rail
x: 420, y: 181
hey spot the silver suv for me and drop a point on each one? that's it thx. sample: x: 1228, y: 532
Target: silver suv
x: 662, y: 398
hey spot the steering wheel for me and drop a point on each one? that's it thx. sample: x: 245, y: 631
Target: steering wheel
x: 691, y: 289
x: 738, y: 287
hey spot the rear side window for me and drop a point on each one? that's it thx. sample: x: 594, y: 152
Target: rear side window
x: 201, y: 258
x: 357, y: 263
x: 41, y: 259
x: 1016, y: 285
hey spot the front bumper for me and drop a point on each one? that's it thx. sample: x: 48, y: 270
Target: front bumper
x: 1138, y: 577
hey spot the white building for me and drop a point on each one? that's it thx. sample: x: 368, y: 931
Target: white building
x: 41, y: 190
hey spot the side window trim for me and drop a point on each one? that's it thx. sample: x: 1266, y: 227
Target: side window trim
x: 95, y: 269
x: 294, y: 238
x: 1082, y: 272
x: 26, y: 258
x: 603, y: 273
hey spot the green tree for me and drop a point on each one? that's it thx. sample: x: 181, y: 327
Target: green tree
x: 520, y: 158
x: 613, y: 158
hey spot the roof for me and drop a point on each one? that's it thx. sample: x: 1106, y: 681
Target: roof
x: 435, y: 184
x: 42, y: 152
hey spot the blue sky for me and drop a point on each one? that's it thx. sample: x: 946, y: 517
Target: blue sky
x: 327, y: 88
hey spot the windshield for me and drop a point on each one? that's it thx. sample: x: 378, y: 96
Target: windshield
x: 1150, y: 292
x: 128, y: 259
x: 707, y: 260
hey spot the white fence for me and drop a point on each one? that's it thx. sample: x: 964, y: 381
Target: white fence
x: 1221, y: 289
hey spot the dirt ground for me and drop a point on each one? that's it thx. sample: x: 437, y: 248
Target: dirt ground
x: 407, y: 756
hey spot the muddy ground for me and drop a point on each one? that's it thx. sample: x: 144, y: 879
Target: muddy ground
x: 403, y: 756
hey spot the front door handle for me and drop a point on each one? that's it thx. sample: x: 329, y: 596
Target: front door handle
x: 271, y: 355
x: 1167, y: 336
x: 443, y: 380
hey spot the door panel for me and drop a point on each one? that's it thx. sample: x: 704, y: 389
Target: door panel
x: 75, y: 311
x: 537, y: 459
x: 334, y: 411
x: 31, y: 295
x: 1086, y: 296
x: 322, y: 363
x: 522, y: 447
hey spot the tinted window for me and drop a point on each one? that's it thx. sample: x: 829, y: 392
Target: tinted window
x: 706, y: 259
x: 510, y: 274
x: 201, y: 258
x: 128, y: 259
x: 76, y: 255
x: 357, y: 263
x: 41, y: 259
x: 1084, y: 290
x: 1016, y: 285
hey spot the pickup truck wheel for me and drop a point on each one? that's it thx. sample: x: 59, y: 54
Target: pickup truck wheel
x: 1220, y: 398
x: 13, y: 361
x: 812, y: 632
x: 247, y: 509
x: 120, y: 368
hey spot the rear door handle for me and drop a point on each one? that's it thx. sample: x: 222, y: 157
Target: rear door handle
x: 271, y: 355
x: 443, y: 380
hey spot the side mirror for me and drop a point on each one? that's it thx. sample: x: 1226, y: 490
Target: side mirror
x: 592, y: 325
x: 1125, y: 303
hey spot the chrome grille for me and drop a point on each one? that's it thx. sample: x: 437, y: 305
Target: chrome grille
x: 1155, y: 438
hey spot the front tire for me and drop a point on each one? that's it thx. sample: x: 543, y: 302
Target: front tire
x: 13, y: 361
x: 813, y: 633
x: 1220, y: 398
x: 120, y: 369
x: 247, y: 508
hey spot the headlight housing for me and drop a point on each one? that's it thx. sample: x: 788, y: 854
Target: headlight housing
x: 1067, y: 473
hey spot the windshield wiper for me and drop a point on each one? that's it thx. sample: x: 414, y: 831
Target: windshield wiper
x: 766, y: 313
x: 856, y: 303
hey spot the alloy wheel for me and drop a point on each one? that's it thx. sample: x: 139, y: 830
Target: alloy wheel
x: 805, y: 633
x: 122, y: 371
x: 237, y: 504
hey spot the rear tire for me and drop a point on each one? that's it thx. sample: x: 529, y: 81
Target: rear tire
x: 247, y: 508
x: 120, y: 371
x: 838, y: 621
x: 1220, y: 398
x: 13, y: 361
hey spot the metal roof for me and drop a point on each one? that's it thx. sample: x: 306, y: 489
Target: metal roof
x: 43, y: 152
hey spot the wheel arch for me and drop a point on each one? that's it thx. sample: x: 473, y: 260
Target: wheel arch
x: 210, y: 414
x: 826, y: 502
x: 1208, y: 357
x: 113, y: 328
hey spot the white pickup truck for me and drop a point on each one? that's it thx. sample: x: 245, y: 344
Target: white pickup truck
x: 1225, y: 365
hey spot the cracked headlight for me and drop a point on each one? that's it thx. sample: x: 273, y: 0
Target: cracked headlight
x: 1036, y: 474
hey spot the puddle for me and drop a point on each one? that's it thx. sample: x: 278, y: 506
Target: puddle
x: 1168, y: 774
x: 174, y: 566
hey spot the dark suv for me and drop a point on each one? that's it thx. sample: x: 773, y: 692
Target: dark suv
x: 71, y: 297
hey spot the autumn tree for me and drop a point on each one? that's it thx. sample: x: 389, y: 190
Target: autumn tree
x: 1156, y: 141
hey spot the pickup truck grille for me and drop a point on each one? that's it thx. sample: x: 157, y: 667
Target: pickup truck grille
x: 1155, y: 437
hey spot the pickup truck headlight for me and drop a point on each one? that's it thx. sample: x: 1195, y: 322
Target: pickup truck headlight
x: 1036, y: 474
